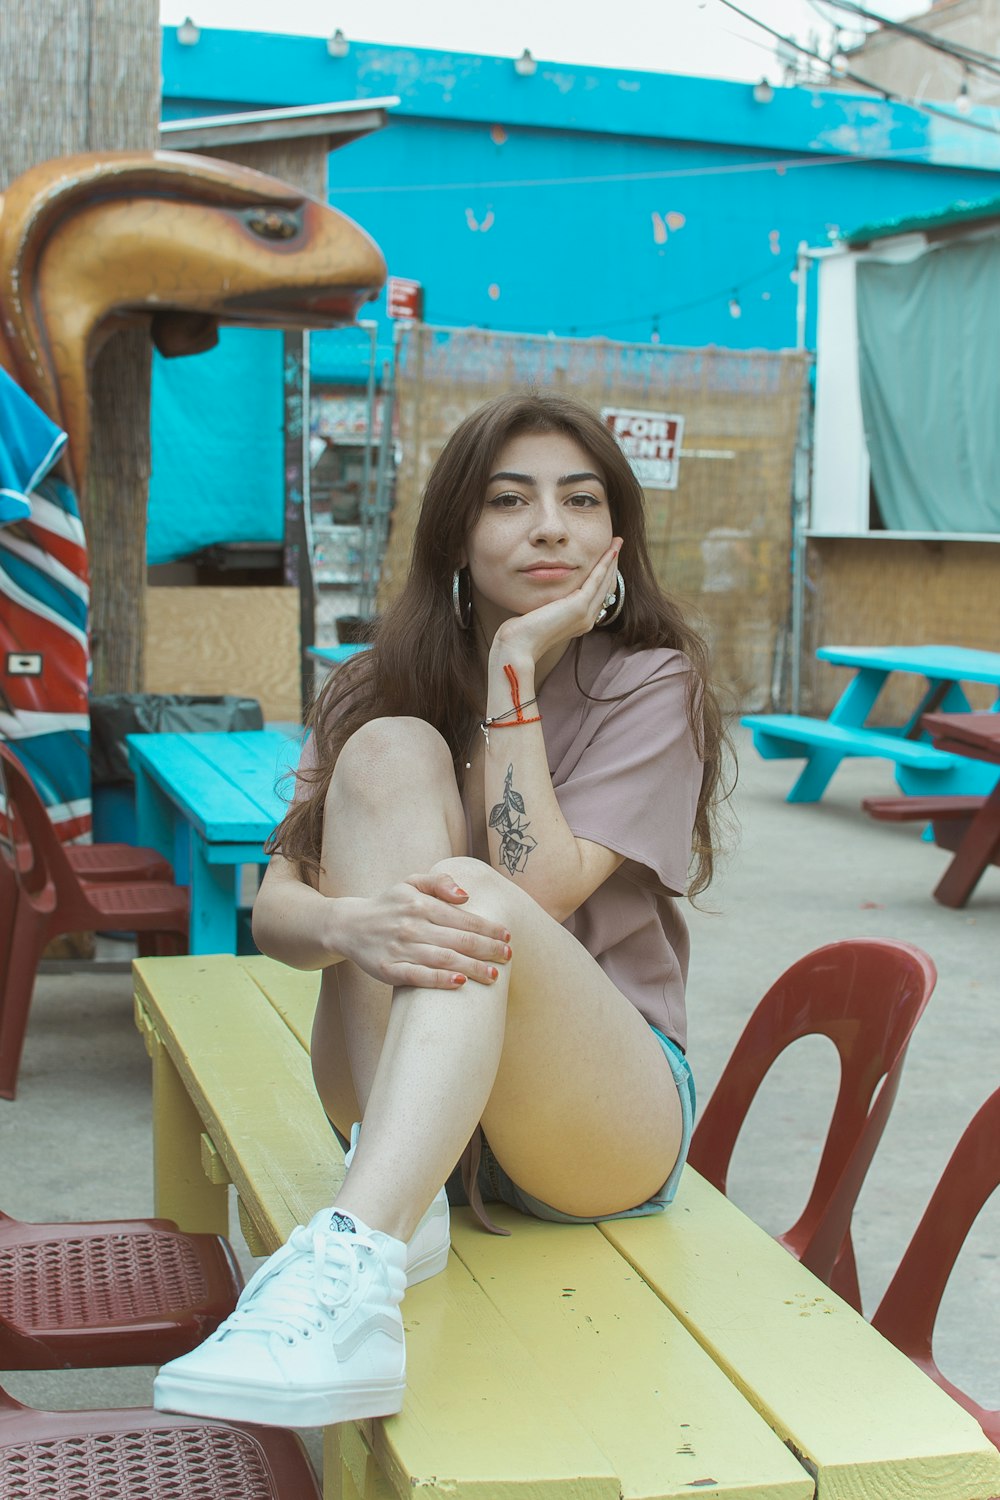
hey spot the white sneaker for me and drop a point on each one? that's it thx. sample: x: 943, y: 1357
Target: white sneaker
x: 428, y: 1246
x: 316, y: 1336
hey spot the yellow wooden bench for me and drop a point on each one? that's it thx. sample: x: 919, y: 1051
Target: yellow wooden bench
x: 647, y: 1358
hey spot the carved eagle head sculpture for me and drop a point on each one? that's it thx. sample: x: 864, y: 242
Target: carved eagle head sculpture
x: 181, y: 242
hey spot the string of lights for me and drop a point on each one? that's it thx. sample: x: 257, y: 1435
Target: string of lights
x: 728, y: 293
x: 722, y: 169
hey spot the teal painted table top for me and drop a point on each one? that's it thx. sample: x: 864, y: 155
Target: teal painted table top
x: 332, y: 655
x: 943, y: 663
x: 208, y: 803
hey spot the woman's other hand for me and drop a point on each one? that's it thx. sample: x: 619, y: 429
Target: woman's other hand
x: 416, y: 933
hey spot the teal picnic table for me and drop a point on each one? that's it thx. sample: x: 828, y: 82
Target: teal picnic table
x: 208, y: 802
x: 920, y: 768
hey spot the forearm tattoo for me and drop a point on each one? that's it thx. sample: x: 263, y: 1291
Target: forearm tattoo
x: 510, y: 823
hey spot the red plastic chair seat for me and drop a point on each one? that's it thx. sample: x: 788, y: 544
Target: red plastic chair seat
x: 125, y: 1455
x: 113, y: 862
x: 162, y: 907
x: 118, y: 862
x: 115, y: 1292
x: 908, y: 1311
x: 866, y: 995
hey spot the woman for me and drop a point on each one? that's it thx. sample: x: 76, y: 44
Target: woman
x: 542, y: 748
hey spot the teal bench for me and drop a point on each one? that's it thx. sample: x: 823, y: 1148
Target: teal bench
x: 825, y: 745
x: 921, y: 770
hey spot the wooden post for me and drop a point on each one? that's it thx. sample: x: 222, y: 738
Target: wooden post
x: 297, y: 552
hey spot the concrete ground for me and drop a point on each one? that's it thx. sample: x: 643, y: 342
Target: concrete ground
x: 76, y: 1143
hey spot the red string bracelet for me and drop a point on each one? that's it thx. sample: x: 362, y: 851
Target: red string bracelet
x: 504, y: 720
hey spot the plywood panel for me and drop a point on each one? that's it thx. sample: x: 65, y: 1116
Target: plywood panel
x: 226, y: 640
x: 869, y: 592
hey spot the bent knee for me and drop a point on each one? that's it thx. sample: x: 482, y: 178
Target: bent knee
x: 393, y: 752
x: 477, y: 878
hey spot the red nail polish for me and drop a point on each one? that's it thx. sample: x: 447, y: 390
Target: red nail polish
x: 506, y: 937
x: 457, y: 979
x: 494, y: 973
x: 460, y: 892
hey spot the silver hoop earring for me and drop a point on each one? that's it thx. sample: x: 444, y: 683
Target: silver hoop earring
x: 462, y: 607
x: 613, y: 602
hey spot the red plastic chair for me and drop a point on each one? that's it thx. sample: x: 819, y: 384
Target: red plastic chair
x: 866, y: 995
x: 110, y: 862
x: 908, y: 1311
x: 49, y: 898
x: 120, y: 1292
x: 121, y: 1455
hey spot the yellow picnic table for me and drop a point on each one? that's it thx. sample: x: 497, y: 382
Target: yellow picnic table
x: 650, y: 1358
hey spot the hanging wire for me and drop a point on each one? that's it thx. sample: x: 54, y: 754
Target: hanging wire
x: 973, y: 56
x: 725, y: 294
x: 844, y: 72
x: 667, y: 174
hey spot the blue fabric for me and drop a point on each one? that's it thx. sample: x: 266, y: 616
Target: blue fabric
x: 217, y: 441
x: 29, y: 445
x: 33, y: 580
x: 44, y: 606
x: 59, y: 765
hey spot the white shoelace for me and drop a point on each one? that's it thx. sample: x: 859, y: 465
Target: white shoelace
x: 320, y: 1270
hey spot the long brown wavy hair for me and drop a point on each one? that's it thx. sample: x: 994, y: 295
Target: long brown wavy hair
x: 421, y: 663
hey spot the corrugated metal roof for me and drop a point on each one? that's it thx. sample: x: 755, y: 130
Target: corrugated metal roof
x: 980, y: 210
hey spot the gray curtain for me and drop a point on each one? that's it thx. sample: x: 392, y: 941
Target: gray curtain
x: 929, y: 341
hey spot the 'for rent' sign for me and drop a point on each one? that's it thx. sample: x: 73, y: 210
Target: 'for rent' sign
x: 652, y: 444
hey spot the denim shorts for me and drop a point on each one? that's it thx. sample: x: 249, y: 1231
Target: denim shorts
x: 496, y: 1187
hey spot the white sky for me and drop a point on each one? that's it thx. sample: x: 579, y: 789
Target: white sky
x: 668, y: 36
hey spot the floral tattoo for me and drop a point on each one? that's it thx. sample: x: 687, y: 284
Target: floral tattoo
x: 509, y: 821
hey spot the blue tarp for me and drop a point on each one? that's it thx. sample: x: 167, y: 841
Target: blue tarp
x: 217, y: 428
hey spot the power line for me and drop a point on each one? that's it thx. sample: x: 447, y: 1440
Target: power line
x: 887, y: 94
x: 968, y: 56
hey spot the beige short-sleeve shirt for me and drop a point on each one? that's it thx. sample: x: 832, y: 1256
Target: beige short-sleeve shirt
x: 627, y: 775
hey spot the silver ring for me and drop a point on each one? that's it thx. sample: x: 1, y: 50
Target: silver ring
x: 613, y: 602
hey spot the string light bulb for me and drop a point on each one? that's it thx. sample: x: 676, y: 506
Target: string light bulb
x: 525, y: 65
x: 763, y: 92
x: 188, y: 33
x: 962, y: 102
x: 735, y: 310
x: 338, y: 45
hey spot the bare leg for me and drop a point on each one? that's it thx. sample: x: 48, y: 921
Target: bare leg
x: 572, y: 1087
x: 393, y: 810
